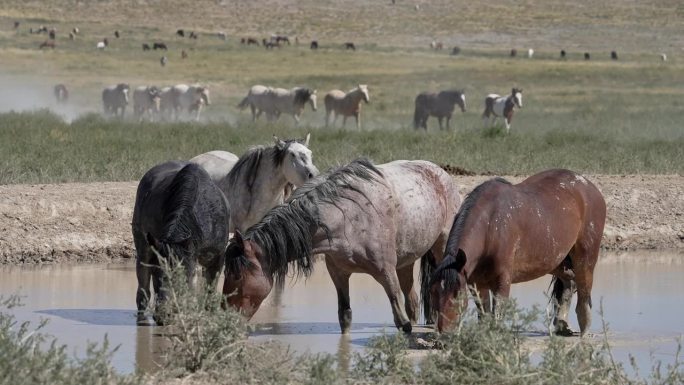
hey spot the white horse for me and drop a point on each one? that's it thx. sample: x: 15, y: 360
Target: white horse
x: 496, y: 106
x: 182, y: 97
x: 346, y: 104
x: 260, y: 179
x: 217, y: 163
x: 258, y: 99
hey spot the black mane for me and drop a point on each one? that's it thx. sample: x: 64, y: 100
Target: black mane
x: 301, y: 96
x: 180, y: 223
x: 444, y: 271
x: 285, y: 234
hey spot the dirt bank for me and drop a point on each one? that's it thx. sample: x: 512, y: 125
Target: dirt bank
x: 90, y: 222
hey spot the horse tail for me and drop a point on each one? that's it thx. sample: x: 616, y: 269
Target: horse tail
x: 181, y: 227
x: 427, y: 266
x: 489, y: 106
x: 244, y: 103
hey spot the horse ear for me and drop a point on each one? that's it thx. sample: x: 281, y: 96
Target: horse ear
x: 306, y: 141
x: 279, y: 143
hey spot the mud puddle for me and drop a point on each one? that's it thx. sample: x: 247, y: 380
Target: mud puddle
x: 641, y: 295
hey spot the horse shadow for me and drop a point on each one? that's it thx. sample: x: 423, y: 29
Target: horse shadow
x: 101, y: 317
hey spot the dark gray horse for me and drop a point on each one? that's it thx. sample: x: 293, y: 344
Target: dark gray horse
x: 115, y: 99
x: 182, y: 216
x: 440, y: 105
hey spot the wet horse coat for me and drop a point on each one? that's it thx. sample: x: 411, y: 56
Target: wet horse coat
x: 551, y: 223
x: 496, y: 106
x: 440, y: 105
x: 365, y: 219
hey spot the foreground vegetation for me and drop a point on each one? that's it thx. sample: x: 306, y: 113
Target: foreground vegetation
x: 209, y: 345
x: 42, y: 148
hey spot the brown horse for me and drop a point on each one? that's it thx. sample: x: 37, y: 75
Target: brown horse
x: 346, y: 104
x: 365, y: 219
x: 440, y: 105
x: 551, y: 223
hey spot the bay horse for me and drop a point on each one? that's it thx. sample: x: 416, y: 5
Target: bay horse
x: 440, y: 105
x: 260, y: 179
x: 346, y: 104
x: 550, y: 223
x: 368, y: 219
x: 496, y: 106
x: 182, y: 216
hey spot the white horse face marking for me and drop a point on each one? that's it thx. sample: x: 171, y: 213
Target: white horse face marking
x: 518, y: 99
x: 298, y: 165
x: 463, y: 106
x: 312, y: 101
x: 364, y: 90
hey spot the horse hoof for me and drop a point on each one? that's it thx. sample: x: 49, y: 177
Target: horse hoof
x: 563, y: 330
x: 407, y: 328
x: 144, y: 322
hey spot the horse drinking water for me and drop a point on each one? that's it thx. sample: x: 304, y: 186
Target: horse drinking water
x: 180, y: 215
x: 440, y: 105
x: 496, y: 106
x: 346, y: 104
x: 368, y: 219
x: 550, y: 223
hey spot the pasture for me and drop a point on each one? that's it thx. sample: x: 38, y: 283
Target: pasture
x: 598, y: 116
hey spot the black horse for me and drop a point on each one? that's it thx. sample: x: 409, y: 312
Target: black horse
x: 182, y: 216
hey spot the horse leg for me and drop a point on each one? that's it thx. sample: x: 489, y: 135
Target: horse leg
x: 584, y: 256
x: 405, y: 275
x: 143, y: 273
x: 357, y: 116
x: 341, y: 281
x: 508, y: 125
x: 344, y: 120
x: 448, y: 121
x: 212, y: 271
x: 390, y: 282
x: 562, y: 296
x: 327, y: 117
x: 439, y: 119
x: 501, y: 291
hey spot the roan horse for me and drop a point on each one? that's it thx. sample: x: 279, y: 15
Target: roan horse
x: 346, y: 104
x: 260, y: 179
x: 550, y: 223
x: 496, y: 106
x: 365, y: 219
x: 180, y: 214
x: 440, y: 105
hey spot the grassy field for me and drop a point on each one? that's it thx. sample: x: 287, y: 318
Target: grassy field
x: 597, y: 116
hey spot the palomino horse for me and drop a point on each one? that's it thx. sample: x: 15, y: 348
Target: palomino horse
x: 348, y: 104
x: 440, y: 105
x: 274, y: 101
x: 496, y: 106
x: 181, y: 215
x: 365, y: 219
x: 61, y: 93
x: 550, y: 223
x: 261, y: 178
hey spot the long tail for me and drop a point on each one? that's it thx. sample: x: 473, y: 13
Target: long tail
x: 427, y: 266
x: 244, y: 103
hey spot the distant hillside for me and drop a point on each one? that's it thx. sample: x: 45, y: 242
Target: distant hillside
x: 625, y: 25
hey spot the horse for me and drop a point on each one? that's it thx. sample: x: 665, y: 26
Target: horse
x: 550, y: 223
x: 48, y: 44
x: 159, y: 45
x: 440, y: 105
x: 179, y: 213
x: 163, y: 60
x: 349, y: 46
x: 613, y: 55
x: 587, y: 56
x: 115, y: 99
x: 563, y: 54
x: 275, y: 101
x: 313, y: 45
x: 146, y: 100
x: 368, y: 219
x: 61, y: 93
x: 217, y: 163
x: 258, y: 181
x: 530, y: 53
x: 259, y: 100
x: 183, y: 97
x: 496, y: 106
x: 146, y: 47
x: 346, y: 104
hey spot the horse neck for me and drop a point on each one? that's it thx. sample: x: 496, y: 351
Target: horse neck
x: 355, y: 97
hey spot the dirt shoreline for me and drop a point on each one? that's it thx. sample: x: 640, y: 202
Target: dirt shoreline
x: 90, y: 222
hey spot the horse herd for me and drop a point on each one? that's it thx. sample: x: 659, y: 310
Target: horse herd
x: 151, y: 102
x: 366, y: 218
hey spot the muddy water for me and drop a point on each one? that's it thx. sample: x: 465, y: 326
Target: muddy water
x: 641, y: 293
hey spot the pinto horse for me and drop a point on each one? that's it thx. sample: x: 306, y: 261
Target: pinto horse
x: 346, y: 104
x: 365, y: 219
x: 496, y: 106
x: 550, y: 223
x: 440, y: 105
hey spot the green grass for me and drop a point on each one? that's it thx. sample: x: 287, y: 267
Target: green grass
x: 41, y: 148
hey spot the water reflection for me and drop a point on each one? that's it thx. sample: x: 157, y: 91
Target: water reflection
x: 641, y: 294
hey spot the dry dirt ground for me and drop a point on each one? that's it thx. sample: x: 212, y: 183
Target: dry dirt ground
x: 90, y: 222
